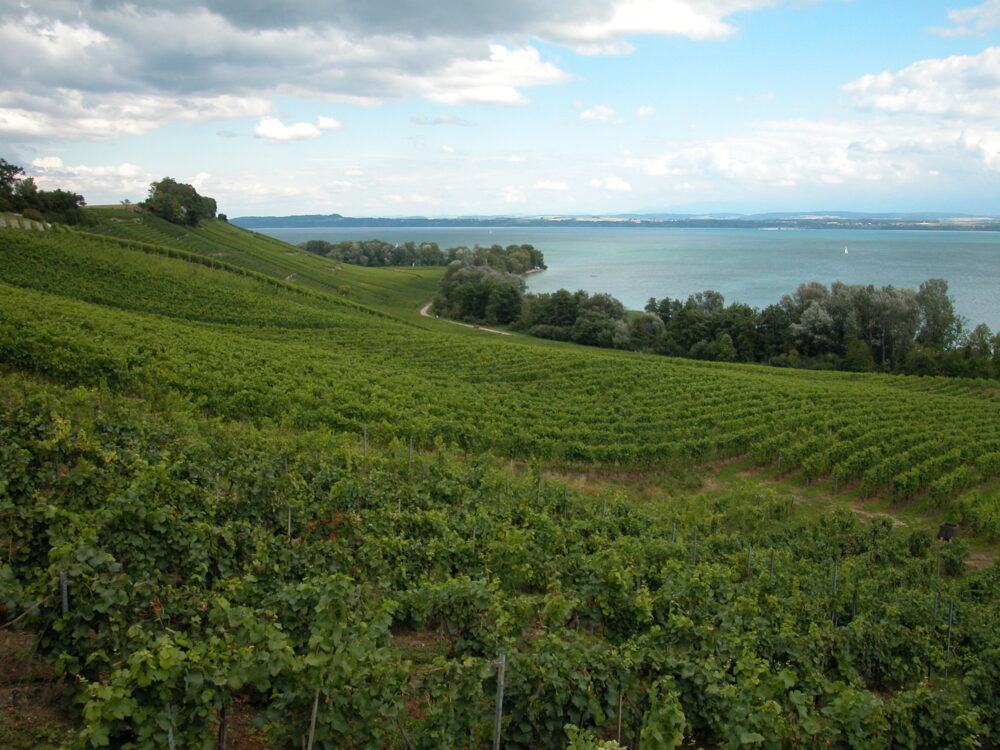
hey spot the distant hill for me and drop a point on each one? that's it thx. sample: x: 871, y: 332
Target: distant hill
x: 799, y: 220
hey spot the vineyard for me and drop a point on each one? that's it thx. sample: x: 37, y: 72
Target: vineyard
x: 223, y: 488
x: 257, y: 252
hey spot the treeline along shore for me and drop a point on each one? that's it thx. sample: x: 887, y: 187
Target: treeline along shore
x: 856, y: 327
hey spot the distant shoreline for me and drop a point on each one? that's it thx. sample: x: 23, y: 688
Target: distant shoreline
x: 258, y: 223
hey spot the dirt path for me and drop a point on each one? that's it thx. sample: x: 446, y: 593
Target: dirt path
x: 425, y: 308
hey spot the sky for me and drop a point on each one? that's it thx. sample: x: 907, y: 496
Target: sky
x: 519, y: 107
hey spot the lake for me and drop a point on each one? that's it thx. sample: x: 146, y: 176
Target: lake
x: 754, y: 266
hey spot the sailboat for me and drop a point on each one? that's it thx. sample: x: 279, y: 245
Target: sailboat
x: 845, y: 251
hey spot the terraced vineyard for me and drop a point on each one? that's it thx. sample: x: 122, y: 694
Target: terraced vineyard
x: 244, y: 349
x: 403, y: 290
x: 210, y: 499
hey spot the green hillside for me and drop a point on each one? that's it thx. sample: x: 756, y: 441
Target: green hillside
x: 263, y: 495
x: 402, y: 290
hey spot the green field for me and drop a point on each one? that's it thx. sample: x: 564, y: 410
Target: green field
x: 270, y: 484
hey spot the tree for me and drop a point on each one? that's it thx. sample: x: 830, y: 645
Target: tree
x: 857, y: 355
x: 814, y: 334
x: 594, y: 328
x: 645, y: 330
x: 178, y: 203
x: 940, y: 327
x: 725, y: 351
x: 604, y: 304
x: 8, y: 181
x: 504, y: 303
x: 709, y: 302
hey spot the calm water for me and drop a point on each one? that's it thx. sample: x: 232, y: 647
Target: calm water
x: 746, y: 265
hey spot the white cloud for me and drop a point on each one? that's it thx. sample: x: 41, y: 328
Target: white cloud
x: 442, y: 120
x: 613, y: 183
x: 550, y: 185
x: 606, y: 32
x: 445, y: 148
x: 73, y: 115
x: 644, y: 111
x: 600, y: 113
x: 121, y: 180
x: 512, y: 194
x: 274, y: 130
x: 886, y: 153
x: 450, y: 52
x: 411, y: 198
x: 974, y: 20
x: 328, y: 123
x: 495, y: 80
x: 960, y: 86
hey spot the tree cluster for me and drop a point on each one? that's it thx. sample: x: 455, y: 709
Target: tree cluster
x: 860, y: 328
x: 512, y: 259
x: 178, y: 203
x: 595, y: 320
x: 849, y: 327
x: 19, y: 193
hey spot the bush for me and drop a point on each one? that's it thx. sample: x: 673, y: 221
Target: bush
x: 919, y: 542
x: 954, y: 555
x: 556, y: 333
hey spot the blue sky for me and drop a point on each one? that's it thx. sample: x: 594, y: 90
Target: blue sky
x: 400, y: 107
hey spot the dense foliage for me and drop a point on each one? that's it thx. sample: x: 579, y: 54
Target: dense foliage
x: 174, y: 564
x: 18, y: 193
x: 216, y: 487
x: 88, y: 311
x: 178, y: 203
x: 485, y: 284
x: 514, y: 258
x: 852, y: 327
x: 857, y: 328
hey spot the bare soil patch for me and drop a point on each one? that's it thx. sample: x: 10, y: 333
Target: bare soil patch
x: 32, y: 698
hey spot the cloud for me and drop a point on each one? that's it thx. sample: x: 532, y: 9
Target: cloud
x: 512, y: 194
x: 123, y: 48
x: 643, y: 111
x: 756, y: 97
x: 607, y: 31
x: 73, y: 115
x: 442, y: 120
x: 275, y: 131
x: 411, y: 198
x: 615, y: 184
x: 446, y: 149
x: 328, y: 123
x: 550, y: 185
x: 120, y: 180
x: 495, y: 80
x: 600, y: 113
x: 449, y: 52
x: 568, y: 20
x: 975, y: 20
x: 959, y: 86
x: 884, y: 153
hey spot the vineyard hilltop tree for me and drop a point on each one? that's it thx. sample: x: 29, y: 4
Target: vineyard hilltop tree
x: 178, y: 203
